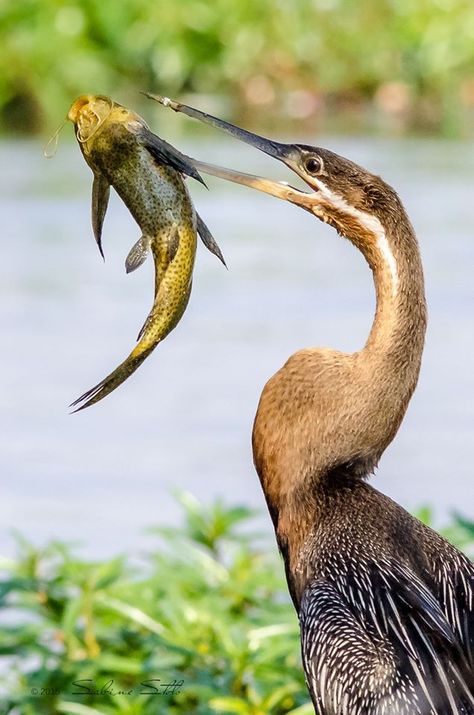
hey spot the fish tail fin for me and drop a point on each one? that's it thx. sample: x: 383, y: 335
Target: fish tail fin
x: 112, y: 381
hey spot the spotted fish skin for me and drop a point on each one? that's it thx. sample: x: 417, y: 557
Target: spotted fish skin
x: 123, y: 153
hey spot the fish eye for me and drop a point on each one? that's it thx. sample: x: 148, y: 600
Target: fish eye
x: 313, y: 165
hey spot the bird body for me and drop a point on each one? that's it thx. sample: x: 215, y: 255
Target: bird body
x: 386, y: 605
x: 378, y: 628
x: 370, y: 583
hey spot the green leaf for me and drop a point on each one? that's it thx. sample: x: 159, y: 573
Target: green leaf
x: 120, y: 664
x: 71, y: 708
x: 230, y: 705
x: 306, y: 709
x: 257, y: 635
x: 465, y: 524
x: 71, y: 614
x: 279, y: 694
x: 425, y: 514
x: 132, y: 612
x: 108, y: 573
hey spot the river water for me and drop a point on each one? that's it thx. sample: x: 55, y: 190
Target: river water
x: 183, y: 421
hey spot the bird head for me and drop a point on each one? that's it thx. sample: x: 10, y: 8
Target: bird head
x: 340, y: 192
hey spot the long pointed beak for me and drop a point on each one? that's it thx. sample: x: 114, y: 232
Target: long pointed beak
x: 280, y: 189
x: 286, y: 153
x: 283, y: 152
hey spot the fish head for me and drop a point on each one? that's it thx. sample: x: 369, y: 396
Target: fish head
x: 94, y: 116
x: 88, y: 113
x: 91, y: 112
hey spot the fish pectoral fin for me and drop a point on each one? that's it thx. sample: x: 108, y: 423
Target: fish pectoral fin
x: 100, y: 201
x: 208, y: 239
x: 138, y: 254
x: 166, y: 154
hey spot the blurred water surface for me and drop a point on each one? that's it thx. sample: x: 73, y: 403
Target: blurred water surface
x: 184, y: 419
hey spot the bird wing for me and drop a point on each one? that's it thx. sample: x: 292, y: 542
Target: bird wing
x: 379, y: 643
x: 455, y: 583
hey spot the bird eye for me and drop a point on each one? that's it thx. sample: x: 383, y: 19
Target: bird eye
x: 313, y: 165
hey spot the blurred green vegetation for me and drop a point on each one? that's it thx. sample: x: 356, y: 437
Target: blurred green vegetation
x: 388, y: 65
x: 206, y: 612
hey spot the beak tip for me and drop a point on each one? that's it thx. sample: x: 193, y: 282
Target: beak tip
x: 165, y: 101
x: 196, y: 175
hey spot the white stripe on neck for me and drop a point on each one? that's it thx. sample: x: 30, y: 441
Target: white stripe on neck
x: 369, y: 223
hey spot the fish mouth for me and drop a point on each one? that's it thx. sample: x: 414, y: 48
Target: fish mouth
x: 288, y: 154
x: 88, y: 113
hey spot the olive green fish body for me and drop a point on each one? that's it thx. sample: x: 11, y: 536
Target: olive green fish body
x: 158, y: 199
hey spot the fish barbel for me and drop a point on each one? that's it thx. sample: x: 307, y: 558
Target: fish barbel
x: 148, y: 174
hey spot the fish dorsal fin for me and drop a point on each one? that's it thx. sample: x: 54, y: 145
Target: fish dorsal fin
x: 100, y: 201
x: 167, y: 155
x: 208, y: 239
x: 138, y: 254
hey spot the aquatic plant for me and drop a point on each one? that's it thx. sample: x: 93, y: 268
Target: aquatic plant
x: 201, y: 624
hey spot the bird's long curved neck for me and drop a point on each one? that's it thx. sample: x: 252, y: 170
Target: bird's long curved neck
x: 394, y: 347
x: 379, y: 380
x: 325, y: 419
